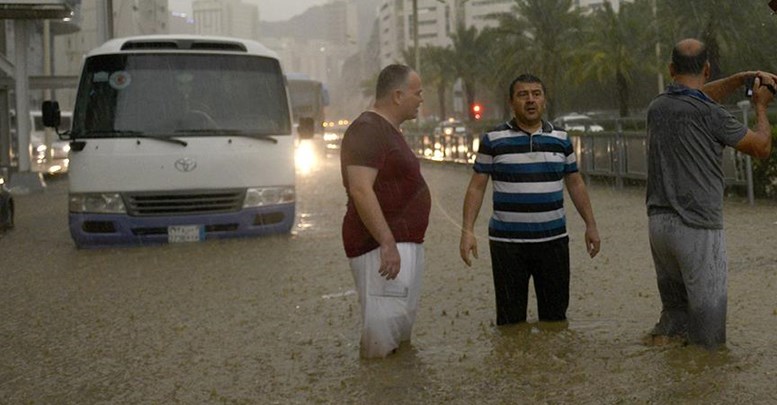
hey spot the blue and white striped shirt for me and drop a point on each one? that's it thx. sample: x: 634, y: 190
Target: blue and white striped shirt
x: 527, y: 171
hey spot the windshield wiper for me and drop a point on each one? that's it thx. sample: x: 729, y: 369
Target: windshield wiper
x: 236, y: 132
x: 138, y: 134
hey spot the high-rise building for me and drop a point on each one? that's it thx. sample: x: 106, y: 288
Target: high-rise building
x: 231, y: 18
x: 436, y: 22
x: 140, y: 17
x: 438, y: 19
x: 480, y: 13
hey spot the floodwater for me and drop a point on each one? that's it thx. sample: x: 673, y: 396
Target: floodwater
x: 274, y: 320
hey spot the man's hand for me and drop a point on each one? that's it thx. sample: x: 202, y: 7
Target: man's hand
x: 468, y: 244
x: 390, y: 262
x: 592, y: 241
x: 769, y: 82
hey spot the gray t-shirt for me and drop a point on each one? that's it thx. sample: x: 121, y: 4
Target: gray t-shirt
x: 687, y: 133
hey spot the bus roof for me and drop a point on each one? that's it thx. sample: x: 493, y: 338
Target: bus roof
x: 179, y: 43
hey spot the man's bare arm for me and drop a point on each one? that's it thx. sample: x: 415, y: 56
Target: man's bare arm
x: 360, y: 187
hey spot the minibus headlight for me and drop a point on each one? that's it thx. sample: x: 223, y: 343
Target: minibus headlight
x: 262, y: 196
x: 98, y: 203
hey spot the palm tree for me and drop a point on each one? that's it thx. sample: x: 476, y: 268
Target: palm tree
x: 437, y: 71
x: 615, y: 44
x: 367, y: 86
x: 544, y: 33
x: 720, y: 24
x: 468, y: 47
x: 440, y: 73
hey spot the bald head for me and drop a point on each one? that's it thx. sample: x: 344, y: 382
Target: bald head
x: 689, y: 57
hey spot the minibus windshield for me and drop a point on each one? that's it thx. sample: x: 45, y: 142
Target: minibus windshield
x: 175, y: 94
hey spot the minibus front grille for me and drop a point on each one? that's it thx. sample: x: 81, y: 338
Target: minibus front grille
x: 184, y: 203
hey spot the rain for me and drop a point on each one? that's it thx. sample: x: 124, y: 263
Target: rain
x: 113, y: 292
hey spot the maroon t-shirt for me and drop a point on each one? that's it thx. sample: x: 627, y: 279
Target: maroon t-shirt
x: 403, y: 195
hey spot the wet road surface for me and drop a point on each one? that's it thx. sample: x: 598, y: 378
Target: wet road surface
x: 275, y: 320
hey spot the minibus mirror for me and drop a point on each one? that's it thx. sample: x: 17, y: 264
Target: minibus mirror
x: 51, y: 114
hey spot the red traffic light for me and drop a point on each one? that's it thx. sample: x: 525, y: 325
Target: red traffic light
x: 476, y: 111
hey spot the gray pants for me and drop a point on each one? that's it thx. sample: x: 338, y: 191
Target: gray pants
x: 691, y: 273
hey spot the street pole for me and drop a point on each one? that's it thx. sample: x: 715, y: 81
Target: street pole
x: 48, y: 132
x: 104, y: 21
x: 745, y: 105
x: 658, y: 49
x: 415, y: 37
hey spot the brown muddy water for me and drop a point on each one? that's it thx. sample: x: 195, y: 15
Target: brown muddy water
x: 275, y: 321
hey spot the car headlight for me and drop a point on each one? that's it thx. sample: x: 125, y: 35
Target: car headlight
x: 262, y: 196
x: 98, y: 203
x: 41, y: 148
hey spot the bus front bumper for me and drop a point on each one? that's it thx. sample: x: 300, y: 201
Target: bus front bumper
x: 103, y: 230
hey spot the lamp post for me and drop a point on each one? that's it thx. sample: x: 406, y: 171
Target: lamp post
x: 415, y: 37
x: 658, y: 48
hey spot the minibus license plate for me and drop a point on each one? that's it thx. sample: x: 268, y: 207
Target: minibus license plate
x: 185, y: 233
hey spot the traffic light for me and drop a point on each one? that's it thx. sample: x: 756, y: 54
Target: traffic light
x: 476, y: 111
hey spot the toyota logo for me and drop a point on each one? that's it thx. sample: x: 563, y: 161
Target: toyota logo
x: 185, y: 164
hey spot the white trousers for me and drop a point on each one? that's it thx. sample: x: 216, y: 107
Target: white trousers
x: 388, y: 307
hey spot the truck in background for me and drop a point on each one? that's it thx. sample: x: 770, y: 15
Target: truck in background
x: 309, y: 99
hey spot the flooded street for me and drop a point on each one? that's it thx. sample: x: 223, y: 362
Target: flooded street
x: 275, y: 320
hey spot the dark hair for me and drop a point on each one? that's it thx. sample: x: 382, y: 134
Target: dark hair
x: 524, y: 78
x: 685, y: 64
x: 391, y: 78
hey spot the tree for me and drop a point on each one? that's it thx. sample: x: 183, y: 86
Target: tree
x: 545, y: 32
x: 468, y: 47
x: 720, y: 24
x: 437, y: 71
x: 615, y: 43
x: 367, y: 86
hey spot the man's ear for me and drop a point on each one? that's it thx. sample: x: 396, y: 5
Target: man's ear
x: 707, y: 70
x: 672, y: 70
x: 396, y: 96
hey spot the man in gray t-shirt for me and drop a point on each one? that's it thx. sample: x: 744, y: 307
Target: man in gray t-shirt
x: 687, y: 132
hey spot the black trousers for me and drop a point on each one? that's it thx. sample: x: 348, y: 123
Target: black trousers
x: 514, y: 263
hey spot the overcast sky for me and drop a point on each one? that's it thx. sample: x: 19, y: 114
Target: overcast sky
x: 269, y: 10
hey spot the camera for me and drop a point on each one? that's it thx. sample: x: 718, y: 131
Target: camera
x: 749, y: 82
x: 749, y: 86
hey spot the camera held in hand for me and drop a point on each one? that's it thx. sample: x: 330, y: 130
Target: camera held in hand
x: 750, y: 82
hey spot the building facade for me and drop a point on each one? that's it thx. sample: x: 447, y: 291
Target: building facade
x: 231, y: 18
x: 597, y: 4
x: 480, y: 13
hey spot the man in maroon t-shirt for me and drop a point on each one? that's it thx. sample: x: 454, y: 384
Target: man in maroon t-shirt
x: 387, y: 213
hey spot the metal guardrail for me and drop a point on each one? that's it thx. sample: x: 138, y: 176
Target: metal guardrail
x: 456, y: 148
x: 623, y: 155
x: 619, y: 155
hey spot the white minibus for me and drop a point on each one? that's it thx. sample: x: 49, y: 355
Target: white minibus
x: 180, y: 139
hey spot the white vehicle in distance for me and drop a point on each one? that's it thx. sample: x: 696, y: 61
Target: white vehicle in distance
x: 180, y: 138
x: 577, y: 122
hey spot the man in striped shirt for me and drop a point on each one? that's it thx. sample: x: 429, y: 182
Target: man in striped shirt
x: 529, y: 162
